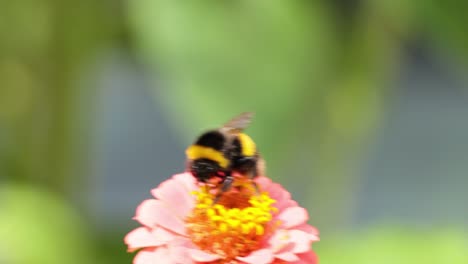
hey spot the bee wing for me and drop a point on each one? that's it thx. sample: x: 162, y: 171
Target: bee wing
x: 238, y: 123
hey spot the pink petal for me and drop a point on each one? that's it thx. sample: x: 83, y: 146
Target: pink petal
x: 144, y: 257
x: 290, y: 241
x: 151, y: 256
x: 280, y: 193
x: 140, y: 238
x: 187, y: 180
x: 175, y: 196
x: 293, y: 216
x: 153, y: 212
x: 279, y: 241
x: 282, y: 197
x: 275, y: 190
x: 307, y: 258
x: 283, y: 205
x: 180, y: 254
x: 202, y: 256
x: 145, y: 214
x: 163, y: 234
x: 287, y: 256
x: 263, y: 182
x: 261, y: 256
x: 309, y: 229
x: 301, y: 241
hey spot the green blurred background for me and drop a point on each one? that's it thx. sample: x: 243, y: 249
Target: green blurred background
x: 360, y: 109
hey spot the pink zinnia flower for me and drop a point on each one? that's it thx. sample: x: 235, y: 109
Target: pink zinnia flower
x: 182, y: 226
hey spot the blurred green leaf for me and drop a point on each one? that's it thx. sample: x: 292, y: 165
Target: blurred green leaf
x: 41, y: 228
x: 445, y: 23
x: 386, y: 245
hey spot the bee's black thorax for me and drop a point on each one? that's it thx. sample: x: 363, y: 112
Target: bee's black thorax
x: 236, y: 149
x: 213, y: 139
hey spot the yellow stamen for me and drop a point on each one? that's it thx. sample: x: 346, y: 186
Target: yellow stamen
x: 237, y: 225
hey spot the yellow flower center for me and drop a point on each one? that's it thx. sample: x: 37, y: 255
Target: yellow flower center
x: 235, y: 226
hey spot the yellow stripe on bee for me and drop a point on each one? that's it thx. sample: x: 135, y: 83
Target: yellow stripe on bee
x: 247, y: 145
x: 201, y: 152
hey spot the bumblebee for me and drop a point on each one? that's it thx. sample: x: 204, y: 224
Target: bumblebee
x: 221, y: 152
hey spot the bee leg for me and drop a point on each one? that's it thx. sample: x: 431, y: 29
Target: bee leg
x: 227, y: 184
x: 252, y: 175
x: 255, y: 185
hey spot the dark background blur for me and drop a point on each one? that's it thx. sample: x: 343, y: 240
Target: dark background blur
x: 361, y: 112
